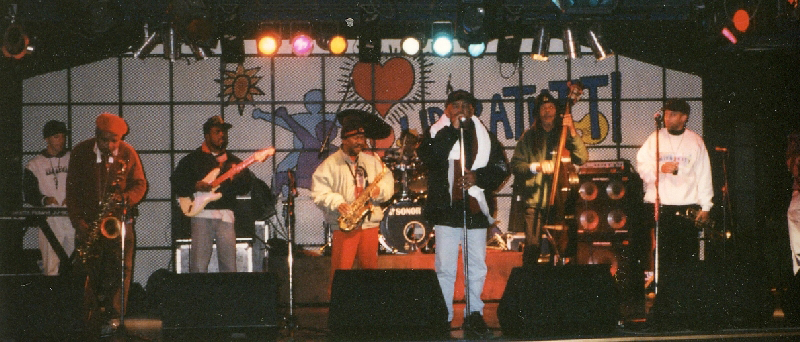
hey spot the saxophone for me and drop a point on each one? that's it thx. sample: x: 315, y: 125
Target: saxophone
x: 108, y: 222
x: 359, y: 207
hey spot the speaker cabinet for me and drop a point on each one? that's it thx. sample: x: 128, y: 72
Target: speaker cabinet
x: 609, y: 201
x: 34, y: 307
x: 387, y: 304
x: 214, y: 304
x: 550, y: 301
x: 710, y: 296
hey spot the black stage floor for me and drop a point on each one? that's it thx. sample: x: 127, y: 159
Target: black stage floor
x: 312, y: 323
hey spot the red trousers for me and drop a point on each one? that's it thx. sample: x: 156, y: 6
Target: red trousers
x: 347, y: 245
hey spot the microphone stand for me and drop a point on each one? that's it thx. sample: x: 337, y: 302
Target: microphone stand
x: 726, y: 202
x: 465, y: 200
x: 657, y: 204
x: 291, y: 320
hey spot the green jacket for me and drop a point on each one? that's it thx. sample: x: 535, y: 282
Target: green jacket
x: 534, y: 146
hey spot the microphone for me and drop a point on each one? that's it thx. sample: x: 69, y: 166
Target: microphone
x: 721, y: 149
x: 657, y: 116
x: 462, y: 118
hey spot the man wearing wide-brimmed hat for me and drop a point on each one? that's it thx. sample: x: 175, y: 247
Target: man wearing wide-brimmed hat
x: 216, y: 221
x: 105, y: 168
x: 45, y: 184
x: 342, y: 177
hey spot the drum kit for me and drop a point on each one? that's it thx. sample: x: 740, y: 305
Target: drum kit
x: 404, y: 228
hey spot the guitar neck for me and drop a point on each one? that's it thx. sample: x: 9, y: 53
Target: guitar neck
x: 234, y: 170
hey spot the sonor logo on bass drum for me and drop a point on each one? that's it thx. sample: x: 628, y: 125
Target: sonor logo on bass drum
x: 405, y: 211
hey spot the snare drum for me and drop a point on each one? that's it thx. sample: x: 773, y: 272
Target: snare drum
x: 403, y: 228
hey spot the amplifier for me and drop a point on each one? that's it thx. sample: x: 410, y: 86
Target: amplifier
x: 244, y: 256
x: 605, y: 167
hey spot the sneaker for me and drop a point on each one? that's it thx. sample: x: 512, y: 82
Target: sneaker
x: 475, y: 327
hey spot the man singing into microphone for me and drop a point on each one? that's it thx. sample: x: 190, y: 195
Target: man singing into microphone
x: 452, y: 196
x: 684, y: 181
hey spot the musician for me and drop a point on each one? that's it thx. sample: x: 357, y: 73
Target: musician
x: 341, y: 178
x: 684, y: 178
x: 216, y: 221
x: 45, y: 185
x: 793, y: 214
x: 532, y: 165
x: 94, y: 166
x: 486, y: 170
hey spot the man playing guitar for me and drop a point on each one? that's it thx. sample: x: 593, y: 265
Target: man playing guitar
x: 211, y: 211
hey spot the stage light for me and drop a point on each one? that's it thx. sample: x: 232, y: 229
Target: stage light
x: 570, y: 45
x: 269, y: 39
x: 150, y: 41
x: 442, y: 37
x: 172, y: 48
x: 741, y: 20
x: 232, y: 45
x: 595, y: 43
x: 16, y: 43
x: 302, y: 45
x: 337, y: 45
x: 476, y: 50
x: 729, y: 35
x: 471, y: 33
x: 200, y: 53
x: 411, y: 45
x: 268, y: 45
x: 541, y: 45
x: 508, y: 48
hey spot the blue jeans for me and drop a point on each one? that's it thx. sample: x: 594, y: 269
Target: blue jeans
x: 204, y: 231
x: 448, y: 240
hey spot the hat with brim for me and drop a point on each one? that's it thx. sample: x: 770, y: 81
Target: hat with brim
x: 215, y: 121
x: 354, y: 121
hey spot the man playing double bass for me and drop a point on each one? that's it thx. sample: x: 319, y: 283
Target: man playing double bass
x: 532, y: 166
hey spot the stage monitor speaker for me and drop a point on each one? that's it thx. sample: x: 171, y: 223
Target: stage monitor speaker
x: 609, y: 200
x: 544, y: 301
x: 387, y: 304
x: 709, y: 296
x: 214, y: 304
x: 38, y: 307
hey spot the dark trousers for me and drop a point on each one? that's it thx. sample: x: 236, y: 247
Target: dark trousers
x: 677, y: 242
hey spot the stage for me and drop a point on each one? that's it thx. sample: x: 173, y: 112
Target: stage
x: 201, y: 312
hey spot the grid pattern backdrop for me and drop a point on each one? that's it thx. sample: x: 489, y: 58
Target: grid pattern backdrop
x: 283, y: 101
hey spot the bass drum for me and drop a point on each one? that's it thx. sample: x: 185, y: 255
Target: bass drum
x: 404, y: 228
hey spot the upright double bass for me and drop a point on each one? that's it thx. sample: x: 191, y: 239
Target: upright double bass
x: 565, y: 181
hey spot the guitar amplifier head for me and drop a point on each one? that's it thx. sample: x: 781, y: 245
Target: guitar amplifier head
x: 605, y: 167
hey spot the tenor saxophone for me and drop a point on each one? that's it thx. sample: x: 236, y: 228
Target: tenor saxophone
x: 359, y: 207
x: 108, y: 223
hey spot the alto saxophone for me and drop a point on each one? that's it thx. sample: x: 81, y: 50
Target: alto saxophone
x: 108, y: 222
x: 359, y: 207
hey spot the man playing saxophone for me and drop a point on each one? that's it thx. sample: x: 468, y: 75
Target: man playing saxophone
x: 107, y: 182
x: 340, y: 183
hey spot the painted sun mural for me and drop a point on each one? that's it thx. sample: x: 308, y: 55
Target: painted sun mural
x: 240, y: 86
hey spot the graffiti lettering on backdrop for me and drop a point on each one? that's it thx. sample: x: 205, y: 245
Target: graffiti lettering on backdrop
x: 383, y: 86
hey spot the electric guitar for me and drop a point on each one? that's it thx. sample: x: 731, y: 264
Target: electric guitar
x: 191, y: 207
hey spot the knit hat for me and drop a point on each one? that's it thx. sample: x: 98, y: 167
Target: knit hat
x: 677, y: 105
x: 54, y: 127
x: 461, y: 95
x: 111, y: 123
